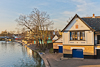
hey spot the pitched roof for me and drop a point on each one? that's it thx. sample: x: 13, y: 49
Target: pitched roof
x: 91, y: 17
x: 94, y: 23
x: 83, y: 20
x: 57, y: 39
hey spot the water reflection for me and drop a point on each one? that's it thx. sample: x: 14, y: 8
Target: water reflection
x: 15, y: 55
x: 35, y: 56
x: 29, y: 52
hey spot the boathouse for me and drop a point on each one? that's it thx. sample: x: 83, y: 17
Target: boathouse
x: 81, y: 37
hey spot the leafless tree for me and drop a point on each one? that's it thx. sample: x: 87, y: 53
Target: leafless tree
x: 38, y: 22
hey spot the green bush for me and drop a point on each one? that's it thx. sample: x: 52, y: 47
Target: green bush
x: 51, y: 50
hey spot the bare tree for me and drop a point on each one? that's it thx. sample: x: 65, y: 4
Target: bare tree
x: 37, y: 22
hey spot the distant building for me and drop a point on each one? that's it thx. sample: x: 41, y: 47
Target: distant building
x: 57, y: 45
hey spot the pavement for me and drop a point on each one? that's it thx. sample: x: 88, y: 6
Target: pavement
x: 55, y: 61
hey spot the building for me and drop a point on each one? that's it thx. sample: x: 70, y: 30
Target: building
x: 81, y: 37
x: 58, y: 46
x: 54, y: 38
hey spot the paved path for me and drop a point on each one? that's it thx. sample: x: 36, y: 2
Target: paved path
x: 54, y: 60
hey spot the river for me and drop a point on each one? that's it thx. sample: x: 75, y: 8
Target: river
x: 16, y: 55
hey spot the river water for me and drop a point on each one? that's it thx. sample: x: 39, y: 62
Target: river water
x: 16, y: 55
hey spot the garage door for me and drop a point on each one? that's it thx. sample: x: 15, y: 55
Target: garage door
x: 98, y: 53
x: 77, y: 53
x: 60, y: 49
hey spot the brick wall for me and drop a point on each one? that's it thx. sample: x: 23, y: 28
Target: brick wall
x: 55, y: 45
x: 88, y: 50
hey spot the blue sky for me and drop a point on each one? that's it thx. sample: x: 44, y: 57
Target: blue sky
x: 59, y: 10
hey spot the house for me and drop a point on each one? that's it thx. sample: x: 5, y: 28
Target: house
x: 81, y: 37
x: 54, y: 38
x: 57, y: 45
x: 57, y: 42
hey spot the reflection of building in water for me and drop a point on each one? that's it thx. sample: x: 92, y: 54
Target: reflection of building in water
x: 37, y: 58
x: 34, y: 54
x: 29, y: 52
x: 24, y: 50
x: 25, y: 46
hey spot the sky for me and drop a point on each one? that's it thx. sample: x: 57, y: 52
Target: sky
x: 59, y: 11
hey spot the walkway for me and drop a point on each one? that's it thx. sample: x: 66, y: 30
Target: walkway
x: 54, y: 60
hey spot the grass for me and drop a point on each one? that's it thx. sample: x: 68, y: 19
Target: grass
x: 51, y: 50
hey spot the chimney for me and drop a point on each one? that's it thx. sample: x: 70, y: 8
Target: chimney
x: 93, y: 16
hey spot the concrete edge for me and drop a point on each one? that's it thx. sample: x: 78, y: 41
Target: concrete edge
x: 63, y: 58
x: 47, y: 64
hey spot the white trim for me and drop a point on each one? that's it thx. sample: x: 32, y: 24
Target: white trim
x: 97, y: 48
x: 60, y: 45
x: 77, y: 48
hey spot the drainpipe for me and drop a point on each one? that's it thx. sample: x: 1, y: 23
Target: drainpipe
x: 94, y: 44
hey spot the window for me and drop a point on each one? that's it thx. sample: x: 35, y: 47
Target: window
x: 80, y: 35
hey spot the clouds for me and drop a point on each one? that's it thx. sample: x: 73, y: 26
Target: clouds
x: 82, y: 7
x: 67, y: 13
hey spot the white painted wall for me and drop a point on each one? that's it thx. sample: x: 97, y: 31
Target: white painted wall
x: 65, y: 37
x: 76, y: 21
x: 89, y: 39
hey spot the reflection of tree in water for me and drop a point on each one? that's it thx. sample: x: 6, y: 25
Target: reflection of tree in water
x: 34, y: 61
x: 29, y: 63
x: 37, y: 59
x: 24, y: 63
x: 4, y: 46
x: 23, y: 50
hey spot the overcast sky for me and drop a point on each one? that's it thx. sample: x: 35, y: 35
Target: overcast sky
x: 59, y: 10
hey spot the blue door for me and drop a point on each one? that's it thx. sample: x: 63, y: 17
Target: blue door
x: 60, y: 49
x: 77, y: 53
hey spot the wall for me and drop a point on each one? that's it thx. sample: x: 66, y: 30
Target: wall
x: 96, y: 47
x: 87, y: 50
x: 96, y: 38
x: 89, y: 39
x: 76, y: 21
x: 55, y: 45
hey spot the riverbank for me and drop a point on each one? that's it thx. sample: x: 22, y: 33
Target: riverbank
x: 34, y: 48
x: 49, y: 58
x: 46, y: 56
x: 54, y: 59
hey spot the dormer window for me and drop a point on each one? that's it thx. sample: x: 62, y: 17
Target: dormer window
x: 77, y: 35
